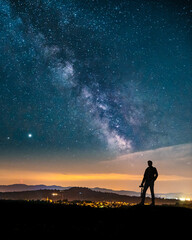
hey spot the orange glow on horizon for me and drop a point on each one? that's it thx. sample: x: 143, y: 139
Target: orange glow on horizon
x: 7, y: 175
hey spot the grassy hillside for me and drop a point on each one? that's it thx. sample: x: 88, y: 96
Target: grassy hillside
x: 45, y: 219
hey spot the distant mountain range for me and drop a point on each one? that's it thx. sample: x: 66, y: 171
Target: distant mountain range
x: 24, y: 187
x: 77, y: 194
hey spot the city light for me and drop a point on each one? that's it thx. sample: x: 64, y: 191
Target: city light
x: 54, y: 194
x: 184, y: 199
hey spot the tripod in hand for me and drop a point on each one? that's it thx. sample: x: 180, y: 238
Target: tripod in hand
x: 142, y: 187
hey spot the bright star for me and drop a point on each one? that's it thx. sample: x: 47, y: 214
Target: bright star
x: 30, y: 135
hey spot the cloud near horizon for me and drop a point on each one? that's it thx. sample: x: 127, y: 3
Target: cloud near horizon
x: 172, y: 160
x: 174, y: 165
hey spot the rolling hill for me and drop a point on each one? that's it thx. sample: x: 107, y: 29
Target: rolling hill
x: 77, y: 193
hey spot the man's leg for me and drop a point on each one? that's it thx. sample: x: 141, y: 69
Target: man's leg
x: 144, y: 192
x: 152, y: 193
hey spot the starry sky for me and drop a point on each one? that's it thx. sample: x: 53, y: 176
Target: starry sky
x: 90, y: 81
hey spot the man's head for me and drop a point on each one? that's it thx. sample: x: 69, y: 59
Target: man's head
x: 150, y: 163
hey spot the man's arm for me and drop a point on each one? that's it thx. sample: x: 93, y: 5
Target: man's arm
x: 144, y: 179
x: 155, y: 174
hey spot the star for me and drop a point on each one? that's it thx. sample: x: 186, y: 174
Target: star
x: 30, y: 135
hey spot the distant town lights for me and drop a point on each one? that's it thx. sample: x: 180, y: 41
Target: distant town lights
x: 184, y: 199
x: 54, y: 194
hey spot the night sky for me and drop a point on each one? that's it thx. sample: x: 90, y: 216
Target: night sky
x: 93, y: 79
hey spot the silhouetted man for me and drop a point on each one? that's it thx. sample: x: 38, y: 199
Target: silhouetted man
x: 149, y: 178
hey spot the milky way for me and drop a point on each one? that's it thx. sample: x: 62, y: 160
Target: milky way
x: 109, y: 77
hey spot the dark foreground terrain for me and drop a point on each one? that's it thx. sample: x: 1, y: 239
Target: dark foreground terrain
x: 41, y: 219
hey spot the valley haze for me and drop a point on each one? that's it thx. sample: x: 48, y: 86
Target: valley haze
x: 24, y: 187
